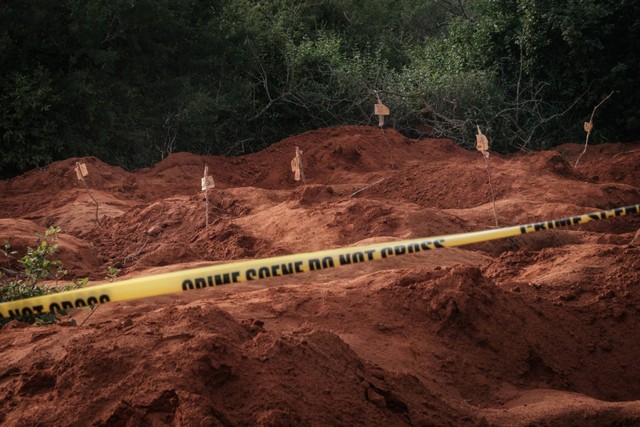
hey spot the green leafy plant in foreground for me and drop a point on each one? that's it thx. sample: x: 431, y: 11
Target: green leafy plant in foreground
x: 36, y: 266
x: 112, y: 273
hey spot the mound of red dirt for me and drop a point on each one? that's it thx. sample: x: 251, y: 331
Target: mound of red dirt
x: 541, y: 329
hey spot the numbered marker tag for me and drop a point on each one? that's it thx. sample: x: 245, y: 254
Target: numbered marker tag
x: 81, y: 171
x: 482, y: 143
x: 588, y: 126
x: 381, y: 110
x: 207, y: 182
x: 297, y: 165
x: 295, y: 168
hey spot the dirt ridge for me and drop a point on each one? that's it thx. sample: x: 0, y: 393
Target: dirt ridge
x: 537, y: 330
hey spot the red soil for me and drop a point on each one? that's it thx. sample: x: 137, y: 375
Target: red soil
x: 543, y: 329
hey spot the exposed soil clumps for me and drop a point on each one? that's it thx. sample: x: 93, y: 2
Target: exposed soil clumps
x: 542, y: 329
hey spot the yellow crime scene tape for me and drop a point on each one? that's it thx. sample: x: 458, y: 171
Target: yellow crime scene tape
x: 244, y: 271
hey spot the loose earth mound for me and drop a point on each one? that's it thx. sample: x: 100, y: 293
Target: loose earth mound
x: 543, y: 329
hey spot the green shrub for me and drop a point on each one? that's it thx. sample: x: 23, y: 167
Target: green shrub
x: 36, y: 266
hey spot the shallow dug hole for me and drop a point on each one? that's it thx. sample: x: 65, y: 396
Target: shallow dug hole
x: 542, y: 329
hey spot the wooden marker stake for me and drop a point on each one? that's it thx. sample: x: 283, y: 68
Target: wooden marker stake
x: 381, y: 110
x: 81, y: 172
x: 482, y: 145
x: 588, y: 127
x: 297, y: 166
x: 206, y: 183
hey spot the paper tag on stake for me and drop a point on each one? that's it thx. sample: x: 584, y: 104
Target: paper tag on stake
x: 81, y: 170
x: 295, y: 167
x: 588, y: 126
x: 381, y: 110
x: 207, y: 182
x: 482, y: 143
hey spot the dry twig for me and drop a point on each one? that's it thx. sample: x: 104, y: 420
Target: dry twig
x: 134, y: 256
x: 624, y: 153
x: 93, y: 310
x: 364, y: 188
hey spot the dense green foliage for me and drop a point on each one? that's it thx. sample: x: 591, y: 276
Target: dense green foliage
x: 131, y: 81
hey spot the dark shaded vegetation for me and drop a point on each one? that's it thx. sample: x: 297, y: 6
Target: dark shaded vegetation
x: 132, y: 81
